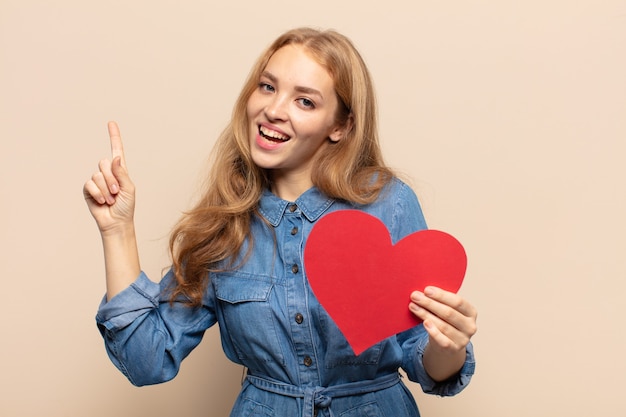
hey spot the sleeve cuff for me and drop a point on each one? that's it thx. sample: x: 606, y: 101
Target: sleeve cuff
x: 125, y: 307
x: 451, y: 386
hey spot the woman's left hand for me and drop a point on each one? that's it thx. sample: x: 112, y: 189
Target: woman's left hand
x: 450, y: 321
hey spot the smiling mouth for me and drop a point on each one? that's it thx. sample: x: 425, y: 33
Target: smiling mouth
x: 272, y: 135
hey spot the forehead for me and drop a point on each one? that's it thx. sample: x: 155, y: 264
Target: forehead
x: 295, y: 64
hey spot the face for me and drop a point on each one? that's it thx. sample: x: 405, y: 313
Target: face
x: 292, y: 115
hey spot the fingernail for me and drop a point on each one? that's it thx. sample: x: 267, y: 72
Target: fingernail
x: 114, y: 188
x: 429, y: 291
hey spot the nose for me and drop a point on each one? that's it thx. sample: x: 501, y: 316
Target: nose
x: 276, y: 108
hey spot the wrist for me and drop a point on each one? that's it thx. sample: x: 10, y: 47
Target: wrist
x: 119, y: 231
x: 441, y: 363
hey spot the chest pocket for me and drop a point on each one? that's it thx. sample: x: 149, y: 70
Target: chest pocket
x: 246, y: 311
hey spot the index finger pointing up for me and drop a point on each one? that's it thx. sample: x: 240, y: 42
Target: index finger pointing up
x: 117, y: 149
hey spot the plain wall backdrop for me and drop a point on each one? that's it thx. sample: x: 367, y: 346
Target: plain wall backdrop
x: 509, y: 117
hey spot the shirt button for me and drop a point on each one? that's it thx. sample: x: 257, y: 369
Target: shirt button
x: 295, y: 269
x: 294, y: 230
x: 308, y: 361
x: 299, y: 318
x: 292, y: 208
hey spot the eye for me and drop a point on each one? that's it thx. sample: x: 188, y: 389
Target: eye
x: 306, y: 103
x: 265, y: 87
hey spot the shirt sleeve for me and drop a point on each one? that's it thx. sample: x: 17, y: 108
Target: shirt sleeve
x: 408, y: 218
x: 407, y: 213
x: 146, y: 336
x: 413, y: 344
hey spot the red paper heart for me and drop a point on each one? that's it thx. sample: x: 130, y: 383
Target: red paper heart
x: 364, y: 282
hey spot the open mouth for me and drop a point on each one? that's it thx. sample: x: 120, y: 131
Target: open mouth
x: 272, y: 135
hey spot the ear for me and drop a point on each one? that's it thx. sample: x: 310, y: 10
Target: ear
x: 341, y: 131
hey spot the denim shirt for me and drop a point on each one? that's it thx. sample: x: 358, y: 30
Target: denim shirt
x: 271, y: 322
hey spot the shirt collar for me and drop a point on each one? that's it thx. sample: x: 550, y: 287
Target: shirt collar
x: 312, y: 203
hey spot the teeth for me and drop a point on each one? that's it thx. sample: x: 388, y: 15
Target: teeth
x: 271, y: 134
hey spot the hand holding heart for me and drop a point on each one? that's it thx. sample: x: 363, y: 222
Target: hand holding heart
x: 351, y: 263
x: 450, y: 321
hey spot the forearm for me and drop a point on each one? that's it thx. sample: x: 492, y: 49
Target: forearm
x: 121, y: 259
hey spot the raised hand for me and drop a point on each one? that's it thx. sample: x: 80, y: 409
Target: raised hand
x: 110, y: 194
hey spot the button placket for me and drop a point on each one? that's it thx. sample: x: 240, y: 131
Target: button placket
x: 292, y: 246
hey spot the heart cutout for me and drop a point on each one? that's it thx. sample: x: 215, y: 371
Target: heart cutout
x: 364, y: 282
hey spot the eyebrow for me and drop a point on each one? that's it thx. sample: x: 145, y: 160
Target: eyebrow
x: 301, y: 89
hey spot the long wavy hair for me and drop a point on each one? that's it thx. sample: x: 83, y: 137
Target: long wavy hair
x: 210, y: 236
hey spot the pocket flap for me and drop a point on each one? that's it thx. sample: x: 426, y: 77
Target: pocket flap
x: 239, y: 288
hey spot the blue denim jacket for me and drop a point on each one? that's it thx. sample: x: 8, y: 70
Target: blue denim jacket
x: 298, y: 361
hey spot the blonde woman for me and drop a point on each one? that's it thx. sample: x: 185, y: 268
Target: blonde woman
x: 302, y: 143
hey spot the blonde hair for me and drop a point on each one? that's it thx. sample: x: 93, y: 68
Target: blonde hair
x: 213, y: 232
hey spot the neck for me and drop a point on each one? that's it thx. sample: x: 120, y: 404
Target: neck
x: 291, y: 188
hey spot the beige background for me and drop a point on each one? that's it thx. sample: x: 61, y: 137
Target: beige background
x: 510, y: 118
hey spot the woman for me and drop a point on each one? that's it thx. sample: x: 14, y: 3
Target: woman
x: 302, y: 143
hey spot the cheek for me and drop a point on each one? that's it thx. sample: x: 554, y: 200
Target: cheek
x: 250, y: 108
x: 254, y: 105
x: 311, y: 125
